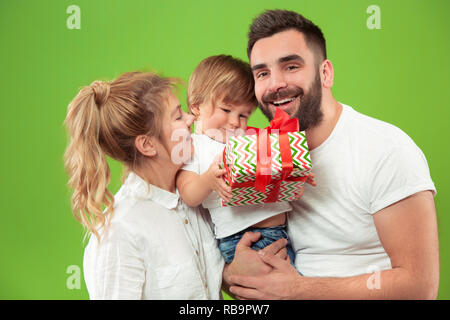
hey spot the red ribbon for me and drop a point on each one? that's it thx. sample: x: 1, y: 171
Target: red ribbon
x: 281, y: 124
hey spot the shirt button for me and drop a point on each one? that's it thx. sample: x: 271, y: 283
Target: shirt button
x: 196, y: 252
x: 186, y: 221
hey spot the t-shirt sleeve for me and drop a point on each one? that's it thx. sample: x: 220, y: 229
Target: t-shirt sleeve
x: 402, y: 172
x: 194, y: 163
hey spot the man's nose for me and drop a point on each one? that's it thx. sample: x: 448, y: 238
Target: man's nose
x: 277, y: 81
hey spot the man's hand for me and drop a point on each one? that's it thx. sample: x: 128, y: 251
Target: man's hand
x: 280, y: 283
x: 247, y: 261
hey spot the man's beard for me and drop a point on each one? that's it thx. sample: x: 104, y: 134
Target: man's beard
x: 309, y: 113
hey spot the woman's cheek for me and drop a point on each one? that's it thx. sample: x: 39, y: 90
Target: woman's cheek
x: 182, y: 148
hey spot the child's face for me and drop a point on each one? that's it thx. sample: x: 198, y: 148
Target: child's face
x: 222, y: 121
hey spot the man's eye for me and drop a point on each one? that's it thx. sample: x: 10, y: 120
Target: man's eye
x: 292, y: 67
x: 261, y: 74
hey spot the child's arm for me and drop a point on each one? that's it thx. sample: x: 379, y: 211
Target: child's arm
x: 194, y: 188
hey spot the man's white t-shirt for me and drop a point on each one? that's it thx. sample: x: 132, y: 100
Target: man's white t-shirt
x: 364, y: 166
x: 227, y: 220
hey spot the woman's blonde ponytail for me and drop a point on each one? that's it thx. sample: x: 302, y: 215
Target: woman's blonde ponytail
x: 86, y: 161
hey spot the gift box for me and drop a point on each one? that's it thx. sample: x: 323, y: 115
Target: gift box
x: 267, y: 165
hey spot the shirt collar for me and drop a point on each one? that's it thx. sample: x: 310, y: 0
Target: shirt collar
x: 144, y: 190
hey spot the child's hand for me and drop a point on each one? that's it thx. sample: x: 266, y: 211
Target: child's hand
x: 311, y: 180
x: 215, y: 175
x: 300, y: 193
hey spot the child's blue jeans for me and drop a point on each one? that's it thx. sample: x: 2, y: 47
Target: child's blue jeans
x: 228, y: 244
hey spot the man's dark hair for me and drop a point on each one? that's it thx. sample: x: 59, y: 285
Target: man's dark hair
x: 271, y: 22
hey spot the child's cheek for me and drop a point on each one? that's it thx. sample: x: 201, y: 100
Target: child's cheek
x: 214, y: 122
x: 244, y: 124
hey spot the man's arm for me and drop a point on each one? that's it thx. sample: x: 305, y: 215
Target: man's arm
x: 407, y: 231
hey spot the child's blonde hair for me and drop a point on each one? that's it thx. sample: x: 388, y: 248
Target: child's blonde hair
x: 221, y: 77
x: 104, y: 119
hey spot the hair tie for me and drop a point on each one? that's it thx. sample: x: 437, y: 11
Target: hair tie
x: 101, y: 91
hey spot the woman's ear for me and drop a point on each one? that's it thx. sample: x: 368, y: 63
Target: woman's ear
x: 327, y: 74
x: 146, y: 145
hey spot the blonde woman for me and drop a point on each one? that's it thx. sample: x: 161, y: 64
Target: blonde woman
x: 145, y: 242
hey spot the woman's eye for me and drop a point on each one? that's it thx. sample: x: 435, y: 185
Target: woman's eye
x: 244, y: 116
x: 225, y: 110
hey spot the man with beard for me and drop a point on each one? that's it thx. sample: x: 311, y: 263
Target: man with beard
x: 368, y: 229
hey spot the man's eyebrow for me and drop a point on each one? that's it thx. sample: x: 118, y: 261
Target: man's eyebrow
x: 290, y: 58
x: 259, y: 66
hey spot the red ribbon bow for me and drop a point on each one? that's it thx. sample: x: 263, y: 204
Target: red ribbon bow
x: 281, y: 124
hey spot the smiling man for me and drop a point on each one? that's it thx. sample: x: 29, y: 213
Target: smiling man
x: 372, y: 208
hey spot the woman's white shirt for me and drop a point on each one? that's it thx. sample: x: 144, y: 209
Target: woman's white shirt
x: 156, y: 247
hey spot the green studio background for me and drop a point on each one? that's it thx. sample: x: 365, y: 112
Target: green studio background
x: 398, y: 73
